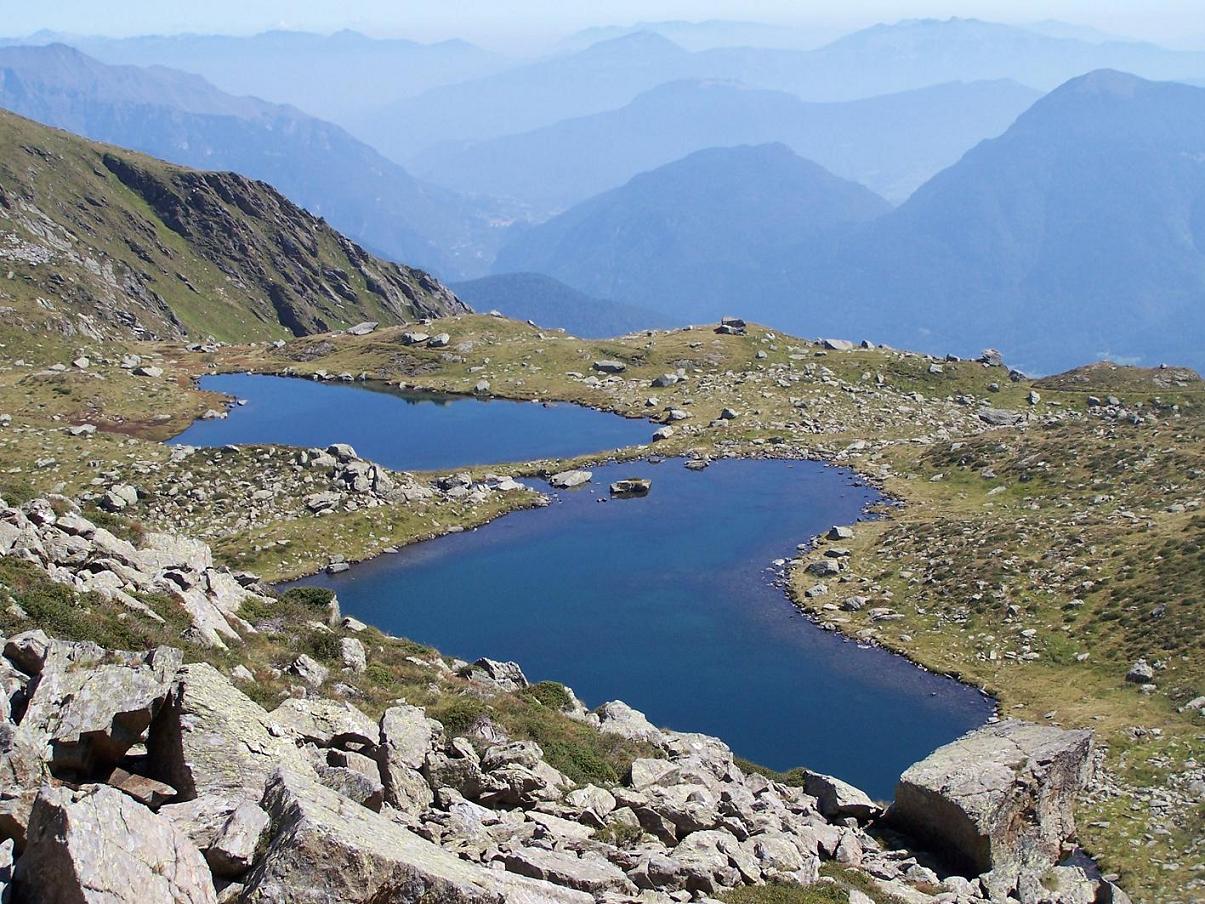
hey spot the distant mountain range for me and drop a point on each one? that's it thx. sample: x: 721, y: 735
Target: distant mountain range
x: 1080, y: 232
x: 550, y: 303
x: 709, y: 34
x: 104, y: 242
x: 880, y: 60
x: 184, y: 119
x: 697, y: 238
x: 329, y: 76
x: 891, y: 144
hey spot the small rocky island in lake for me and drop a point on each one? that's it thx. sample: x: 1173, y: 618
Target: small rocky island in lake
x: 631, y: 486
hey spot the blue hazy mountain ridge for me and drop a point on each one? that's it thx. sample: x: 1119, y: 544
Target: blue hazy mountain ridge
x: 1079, y: 232
x: 710, y: 33
x: 182, y: 118
x: 891, y: 144
x: 328, y: 76
x: 692, y: 238
x: 883, y: 59
x: 550, y: 303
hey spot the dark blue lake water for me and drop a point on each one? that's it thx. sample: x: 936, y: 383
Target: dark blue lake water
x: 407, y: 430
x: 666, y: 602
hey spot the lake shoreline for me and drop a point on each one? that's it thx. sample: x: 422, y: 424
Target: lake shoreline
x: 541, y: 468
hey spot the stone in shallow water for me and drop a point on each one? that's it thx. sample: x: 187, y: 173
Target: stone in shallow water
x: 567, y: 479
x: 631, y: 486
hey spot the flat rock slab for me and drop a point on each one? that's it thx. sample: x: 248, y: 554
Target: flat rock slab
x: 97, y: 844
x: 563, y: 868
x: 327, y: 848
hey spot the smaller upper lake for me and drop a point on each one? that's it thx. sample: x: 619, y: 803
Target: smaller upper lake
x: 407, y: 430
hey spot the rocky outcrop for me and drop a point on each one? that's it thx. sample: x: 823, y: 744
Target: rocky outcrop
x: 90, y: 717
x: 999, y: 799
x: 325, y: 847
x: 153, y: 239
x: 316, y: 801
x: 211, y: 738
x: 72, y: 550
x: 303, y: 273
x: 97, y: 844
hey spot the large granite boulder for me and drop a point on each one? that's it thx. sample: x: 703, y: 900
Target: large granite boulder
x: 406, y: 737
x: 90, y: 717
x: 590, y: 873
x: 999, y: 798
x: 327, y: 848
x: 326, y: 723
x: 226, y: 830
x: 86, y: 708
x: 838, y: 799
x: 98, y: 845
x: 616, y: 717
x: 211, y: 738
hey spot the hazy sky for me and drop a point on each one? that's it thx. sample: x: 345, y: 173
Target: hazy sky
x: 500, y: 22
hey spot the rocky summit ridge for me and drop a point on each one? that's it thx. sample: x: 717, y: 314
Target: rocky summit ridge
x: 138, y: 776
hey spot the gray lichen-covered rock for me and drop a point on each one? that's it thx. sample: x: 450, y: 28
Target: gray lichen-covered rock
x: 999, y: 798
x: 407, y: 736
x: 326, y: 848
x: 82, y: 717
x: 327, y: 723
x: 233, y: 848
x: 616, y: 717
x: 837, y: 798
x: 98, y: 845
x: 365, y: 790
x: 505, y: 675
x: 211, y: 738
x: 590, y: 874
x: 90, y: 717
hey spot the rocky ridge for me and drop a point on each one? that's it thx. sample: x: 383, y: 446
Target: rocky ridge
x: 100, y: 242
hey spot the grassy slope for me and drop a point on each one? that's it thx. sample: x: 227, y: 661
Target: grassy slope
x: 951, y: 561
x: 110, y: 250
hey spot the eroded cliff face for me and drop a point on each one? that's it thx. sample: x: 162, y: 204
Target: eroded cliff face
x: 99, y: 241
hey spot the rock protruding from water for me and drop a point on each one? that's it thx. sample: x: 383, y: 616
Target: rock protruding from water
x: 632, y: 486
x: 568, y: 479
x: 999, y: 799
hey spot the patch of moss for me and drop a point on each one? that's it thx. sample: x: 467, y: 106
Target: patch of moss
x: 549, y: 693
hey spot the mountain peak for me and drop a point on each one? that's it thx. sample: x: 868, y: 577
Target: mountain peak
x: 634, y: 42
x: 1105, y: 82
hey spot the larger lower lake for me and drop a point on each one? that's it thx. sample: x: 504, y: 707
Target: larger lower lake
x: 407, y: 430
x: 667, y: 603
